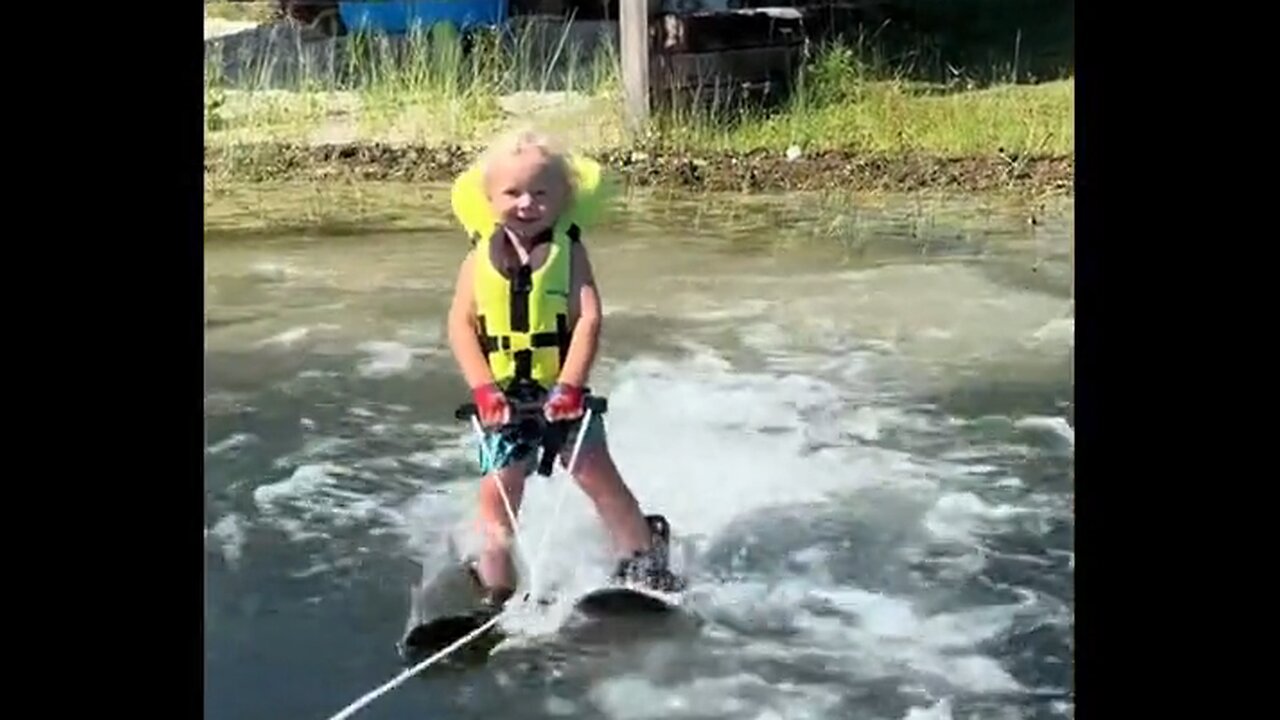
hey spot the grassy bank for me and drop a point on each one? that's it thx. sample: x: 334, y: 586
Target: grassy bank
x: 419, y: 108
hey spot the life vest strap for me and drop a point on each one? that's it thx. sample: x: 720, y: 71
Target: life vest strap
x: 521, y: 285
x: 518, y: 342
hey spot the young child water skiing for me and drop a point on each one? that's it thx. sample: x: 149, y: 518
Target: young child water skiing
x: 524, y: 327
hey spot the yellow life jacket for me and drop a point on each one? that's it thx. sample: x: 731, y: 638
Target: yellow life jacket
x: 524, y: 320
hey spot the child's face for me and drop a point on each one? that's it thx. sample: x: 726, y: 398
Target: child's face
x: 526, y: 192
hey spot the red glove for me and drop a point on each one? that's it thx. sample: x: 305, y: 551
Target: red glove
x: 564, y: 402
x: 491, y: 405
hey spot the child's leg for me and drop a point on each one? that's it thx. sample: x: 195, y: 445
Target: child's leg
x: 503, y: 461
x: 599, y: 478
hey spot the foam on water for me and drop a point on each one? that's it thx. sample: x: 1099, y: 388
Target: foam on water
x: 229, y: 530
x: 385, y: 359
x: 863, y: 635
x: 1055, y: 425
x: 273, y: 271
x: 738, y: 696
x: 231, y: 444
x: 1058, y: 331
x: 962, y: 516
x: 706, y: 466
x: 293, y: 336
x: 940, y: 710
x: 708, y: 445
x: 849, y: 544
x: 557, y: 706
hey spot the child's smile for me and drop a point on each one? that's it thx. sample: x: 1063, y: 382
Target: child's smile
x: 527, y: 191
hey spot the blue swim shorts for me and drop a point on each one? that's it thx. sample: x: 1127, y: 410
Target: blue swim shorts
x: 502, y: 448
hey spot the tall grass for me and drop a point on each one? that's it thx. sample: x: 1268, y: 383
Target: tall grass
x: 435, y: 86
x: 848, y: 97
x: 432, y: 83
x: 248, y: 11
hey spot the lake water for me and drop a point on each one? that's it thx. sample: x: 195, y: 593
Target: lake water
x: 856, y: 415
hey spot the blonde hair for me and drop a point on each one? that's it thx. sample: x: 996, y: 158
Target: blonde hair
x: 522, y: 140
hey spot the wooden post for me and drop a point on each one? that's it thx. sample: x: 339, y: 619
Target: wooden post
x: 633, y: 36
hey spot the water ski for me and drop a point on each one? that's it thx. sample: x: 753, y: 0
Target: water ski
x: 450, y: 605
x: 619, y: 616
x: 428, y: 638
x: 625, y: 600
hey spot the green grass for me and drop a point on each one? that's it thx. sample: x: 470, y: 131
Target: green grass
x: 895, y: 118
x: 430, y: 92
x: 850, y: 98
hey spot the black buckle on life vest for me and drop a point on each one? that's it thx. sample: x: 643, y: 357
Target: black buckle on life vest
x: 537, y: 340
x: 559, y: 338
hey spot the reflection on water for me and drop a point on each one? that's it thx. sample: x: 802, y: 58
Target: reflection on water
x: 854, y: 412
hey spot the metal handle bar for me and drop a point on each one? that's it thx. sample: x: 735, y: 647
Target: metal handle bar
x: 532, y: 410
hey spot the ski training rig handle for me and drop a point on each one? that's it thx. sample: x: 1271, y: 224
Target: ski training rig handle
x: 530, y: 410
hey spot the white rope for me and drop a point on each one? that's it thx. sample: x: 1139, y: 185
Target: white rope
x: 372, y: 695
x: 536, y: 561
x: 555, y: 514
x: 386, y: 687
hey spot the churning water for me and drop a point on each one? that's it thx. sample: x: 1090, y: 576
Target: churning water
x: 856, y: 418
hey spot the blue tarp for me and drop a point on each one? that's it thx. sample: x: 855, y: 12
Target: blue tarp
x: 394, y: 18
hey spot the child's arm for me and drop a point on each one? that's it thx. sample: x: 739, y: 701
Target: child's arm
x: 462, y: 333
x: 586, y: 332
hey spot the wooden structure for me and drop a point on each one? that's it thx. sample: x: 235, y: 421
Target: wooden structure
x: 678, y: 52
x: 724, y: 57
x: 633, y: 46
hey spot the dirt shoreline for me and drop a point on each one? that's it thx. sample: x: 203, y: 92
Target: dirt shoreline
x: 748, y: 172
